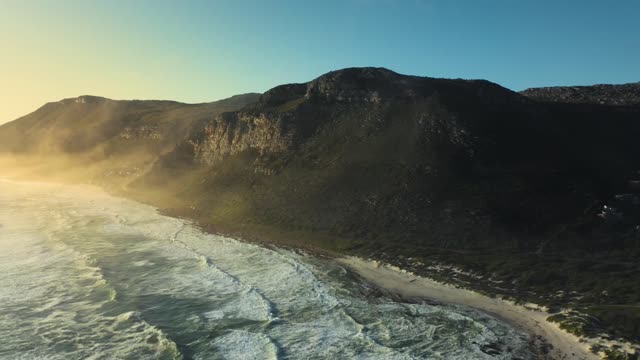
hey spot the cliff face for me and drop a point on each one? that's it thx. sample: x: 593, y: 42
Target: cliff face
x: 233, y: 133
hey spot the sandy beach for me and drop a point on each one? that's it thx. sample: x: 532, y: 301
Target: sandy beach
x: 531, y: 320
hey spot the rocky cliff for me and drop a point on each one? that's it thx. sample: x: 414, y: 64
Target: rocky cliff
x: 234, y: 133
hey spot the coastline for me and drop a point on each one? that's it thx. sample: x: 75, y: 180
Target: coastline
x: 532, y: 320
x: 530, y: 317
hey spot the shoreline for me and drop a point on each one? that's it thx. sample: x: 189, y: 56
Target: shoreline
x: 562, y: 345
x: 530, y: 318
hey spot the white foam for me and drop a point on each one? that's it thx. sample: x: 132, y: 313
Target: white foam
x: 244, y: 345
x: 257, y: 302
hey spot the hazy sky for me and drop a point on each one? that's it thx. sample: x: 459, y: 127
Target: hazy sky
x: 196, y: 51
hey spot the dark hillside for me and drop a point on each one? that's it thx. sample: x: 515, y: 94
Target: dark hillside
x: 618, y: 95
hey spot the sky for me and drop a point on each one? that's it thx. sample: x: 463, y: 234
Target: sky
x: 199, y: 51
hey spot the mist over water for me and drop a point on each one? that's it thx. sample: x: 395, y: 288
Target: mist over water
x: 84, y: 275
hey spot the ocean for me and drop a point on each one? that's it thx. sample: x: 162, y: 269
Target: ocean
x: 85, y: 275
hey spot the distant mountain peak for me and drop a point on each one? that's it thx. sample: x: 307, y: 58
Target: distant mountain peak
x: 378, y: 84
x: 358, y: 83
x: 360, y: 73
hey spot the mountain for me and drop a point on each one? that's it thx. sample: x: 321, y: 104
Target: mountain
x: 534, y: 194
x: 367, y: 154
x: 91, y: 138
x: 92, y: 123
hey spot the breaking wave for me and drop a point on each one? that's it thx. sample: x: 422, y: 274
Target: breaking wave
x: 87, y: 276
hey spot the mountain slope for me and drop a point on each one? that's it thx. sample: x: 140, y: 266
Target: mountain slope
x: 103, y: 141
x: 621, y: 95
x: 369, y: 148
x: 91, y: 123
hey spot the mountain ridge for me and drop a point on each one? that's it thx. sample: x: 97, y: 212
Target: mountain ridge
x: 109, y: 118
x: 602, y: 94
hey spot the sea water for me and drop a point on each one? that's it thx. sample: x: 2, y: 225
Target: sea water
x: 84, y: 275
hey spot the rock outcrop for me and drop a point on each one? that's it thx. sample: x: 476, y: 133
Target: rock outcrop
x: 233, y: 133
x: 144, y: 132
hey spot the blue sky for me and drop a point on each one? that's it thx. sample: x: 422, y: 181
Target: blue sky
x: 196, y: 51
